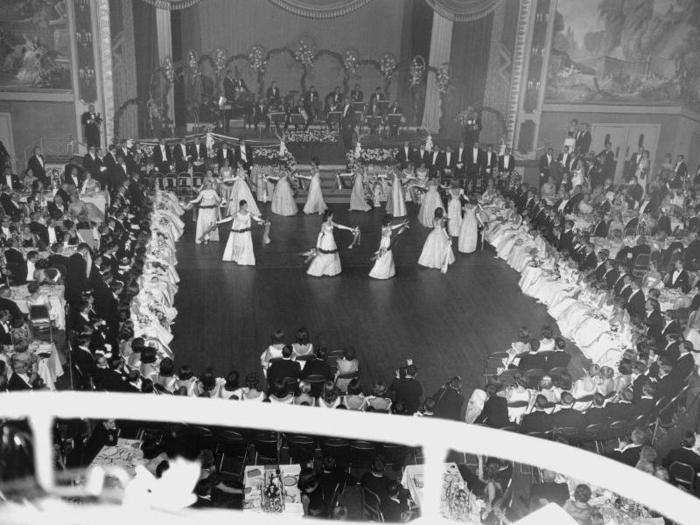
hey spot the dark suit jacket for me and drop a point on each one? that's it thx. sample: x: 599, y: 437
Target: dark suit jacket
x: 630, y: 456
x: 17, y: 383
x: 530, y: 361
x: 619, y: 411
x: 583, y: 142
x: 11, y: 306
x: 495, y: 412
x: 545, y: 164
x: 682, y: 281
x: 160, y: 160
x: 596, y: 415
x: 685, y: 455
x: 568, y: 417
x: 502, y: 164
x: 316, y: 367
x: 35, y: 165
x: 92, y: 165
x: 537, y: 421
x: 40, y: 231
x: 76, y: 278
x: 281, y: 369
x: 636, y: 303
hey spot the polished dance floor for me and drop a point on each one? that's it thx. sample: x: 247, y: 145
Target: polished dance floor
x: 447, y: 323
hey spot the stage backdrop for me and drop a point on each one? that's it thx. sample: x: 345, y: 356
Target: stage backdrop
x: 235, y: 25
x: 639, y: 51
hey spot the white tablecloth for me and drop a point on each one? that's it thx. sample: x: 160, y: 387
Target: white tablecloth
x: 253, y: 479
x: 55, y: 295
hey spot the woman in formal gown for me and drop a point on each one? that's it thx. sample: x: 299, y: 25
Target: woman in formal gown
x: 431, y: 202
x: 469, y: 230
x: 239, y: 247
x: 383, y: 267
x: 454, y: 209
x: 326, y: 260
x: 314, y: 197
x: 358, y: 200
x: 396, y: 203
x: 240, y: 191
x: 437, y: 250
x: 208, y: 201
x: 283, y: 202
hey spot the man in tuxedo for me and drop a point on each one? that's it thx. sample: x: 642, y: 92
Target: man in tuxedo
x: 374, y: 102
x: 565, y: 159
x: 37, y: 165
x: 38, y: 228
x: 243, y: 157
x: 636, y: 302
x: 9, y: 179
x: 679, y: 278
x: 583, y: 140
x: 490, y: 161
x: 312, y: 103
x: 567, y: 416
x: 273, y: 95
x: 21, y: 378
x: 405, y: 155
x: 356, y: 95
x: 681, y: 169
x: 334, y: 100
x: 118, y: 174
x: 225, y: 153
x: 9, y: 203
x: 436, y: 162
x: 180, y: 154
x: 91, y: 122
x: 198, y: 152
x: 5, y: 328
x: 538, y: 420
x: 92, y: 163
x: 607, y: 162
x: 72, y: 175
x: 162, y: 157
x: 110, y: 158
x: 495, y: 411
x: 450, y: 162
x: 284, y: 368
x: 474, y: 164
x: 545, y: 165
x: 506, y: 162
x: 8, y: 304
x: 79, y: 273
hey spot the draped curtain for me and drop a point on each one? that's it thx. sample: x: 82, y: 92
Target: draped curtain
x: 463, y: 10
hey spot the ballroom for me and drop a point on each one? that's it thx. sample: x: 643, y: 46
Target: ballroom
x: 425, y: 261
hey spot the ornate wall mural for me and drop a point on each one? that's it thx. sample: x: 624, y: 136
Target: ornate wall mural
x: 627, y: 51
x: 34, y: 45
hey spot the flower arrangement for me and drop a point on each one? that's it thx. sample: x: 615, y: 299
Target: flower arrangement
x: 269, y: 156
x: 311, y: 135
x: 257, y: 58
x: 387, y: 65
x: 416, y: 71
x: 351, y: 60
x: 378, y: 156
x: 304, y: 52
x: 219, y: 60
x: 442, y: 76
x: 272, y: 492
x: 192, y: 62
x: 168, y: 69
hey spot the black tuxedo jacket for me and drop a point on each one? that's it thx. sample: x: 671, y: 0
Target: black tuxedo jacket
x: 17, y: 383
x: 40, y: 231
x: 230, y: 156
x: 162, y: 160
x: 682, y: 281
x: 495, y: 412
x: 474, y: 163
x: 583, y: 142
x: 545, y: 164
x: 179, y: 156
x: 283, y: 368
x: 506, y: 165
x: 239, y: 156
x: 568, y: 417
x: 596, y: 415
x: 37, y: 168
x: 405, y: 157
x: 636, y: 303
x: 198, y: 153
x: 537, y: 421
x: 655, y: 324
x: 92, y: 165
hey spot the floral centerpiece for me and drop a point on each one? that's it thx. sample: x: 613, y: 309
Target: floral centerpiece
x: 387, y: 65
x: 272, y: 492
x: 305, y: 52
x: 270, y: 156
x: 351, y: 60
x: 257, y: 58
x: 311, y: 135
x: 416, y: 71
x: 377, y: 156
x: 457, y: 502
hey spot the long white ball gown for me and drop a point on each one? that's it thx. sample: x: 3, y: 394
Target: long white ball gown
x: 468, y: 232
x: 454, y: 212
x: 207, y: 216
x: 314, y: 199
x: 241, y: 191
x: 327, y: 260
x: 239, y: 247
x: 358, y: 202
x: 283, y: 198
x: 384, y: 264
x: 437, y: 250
x: 396, y: 203
x: 431, y: 201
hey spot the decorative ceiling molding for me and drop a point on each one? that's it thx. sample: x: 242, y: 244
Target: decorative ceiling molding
x: 320, y: 9
x: 463, y: 10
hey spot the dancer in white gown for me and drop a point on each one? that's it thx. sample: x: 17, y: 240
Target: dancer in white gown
x: 384, y: 258
x: 208, y: 201
x: 431, y: 202
x: 454, y: 210
x: 396, y: 203
x: 283, y: 202
x: 358, y: 201
x: 241, y: 192
x: 239, y: 247
x: 469, y: 230
x: 326, y: 260
x: 437, y: 250
x: 314, y: 198
x: 228, y: 178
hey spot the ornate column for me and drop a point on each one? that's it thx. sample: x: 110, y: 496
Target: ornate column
x: 104, y: 66
x: 519, y: 59
x: 165, y: 50
x: 440, y: 48
x: 533, y: 85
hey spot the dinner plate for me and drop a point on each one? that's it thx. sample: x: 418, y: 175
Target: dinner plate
x: 254, y: 473
x: 289, y: 481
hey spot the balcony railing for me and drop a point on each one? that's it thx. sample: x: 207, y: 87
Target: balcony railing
x: 436, y: 437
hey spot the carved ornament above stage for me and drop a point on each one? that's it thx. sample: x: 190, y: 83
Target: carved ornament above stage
x: 318, y: 9
x: 463, y: 10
